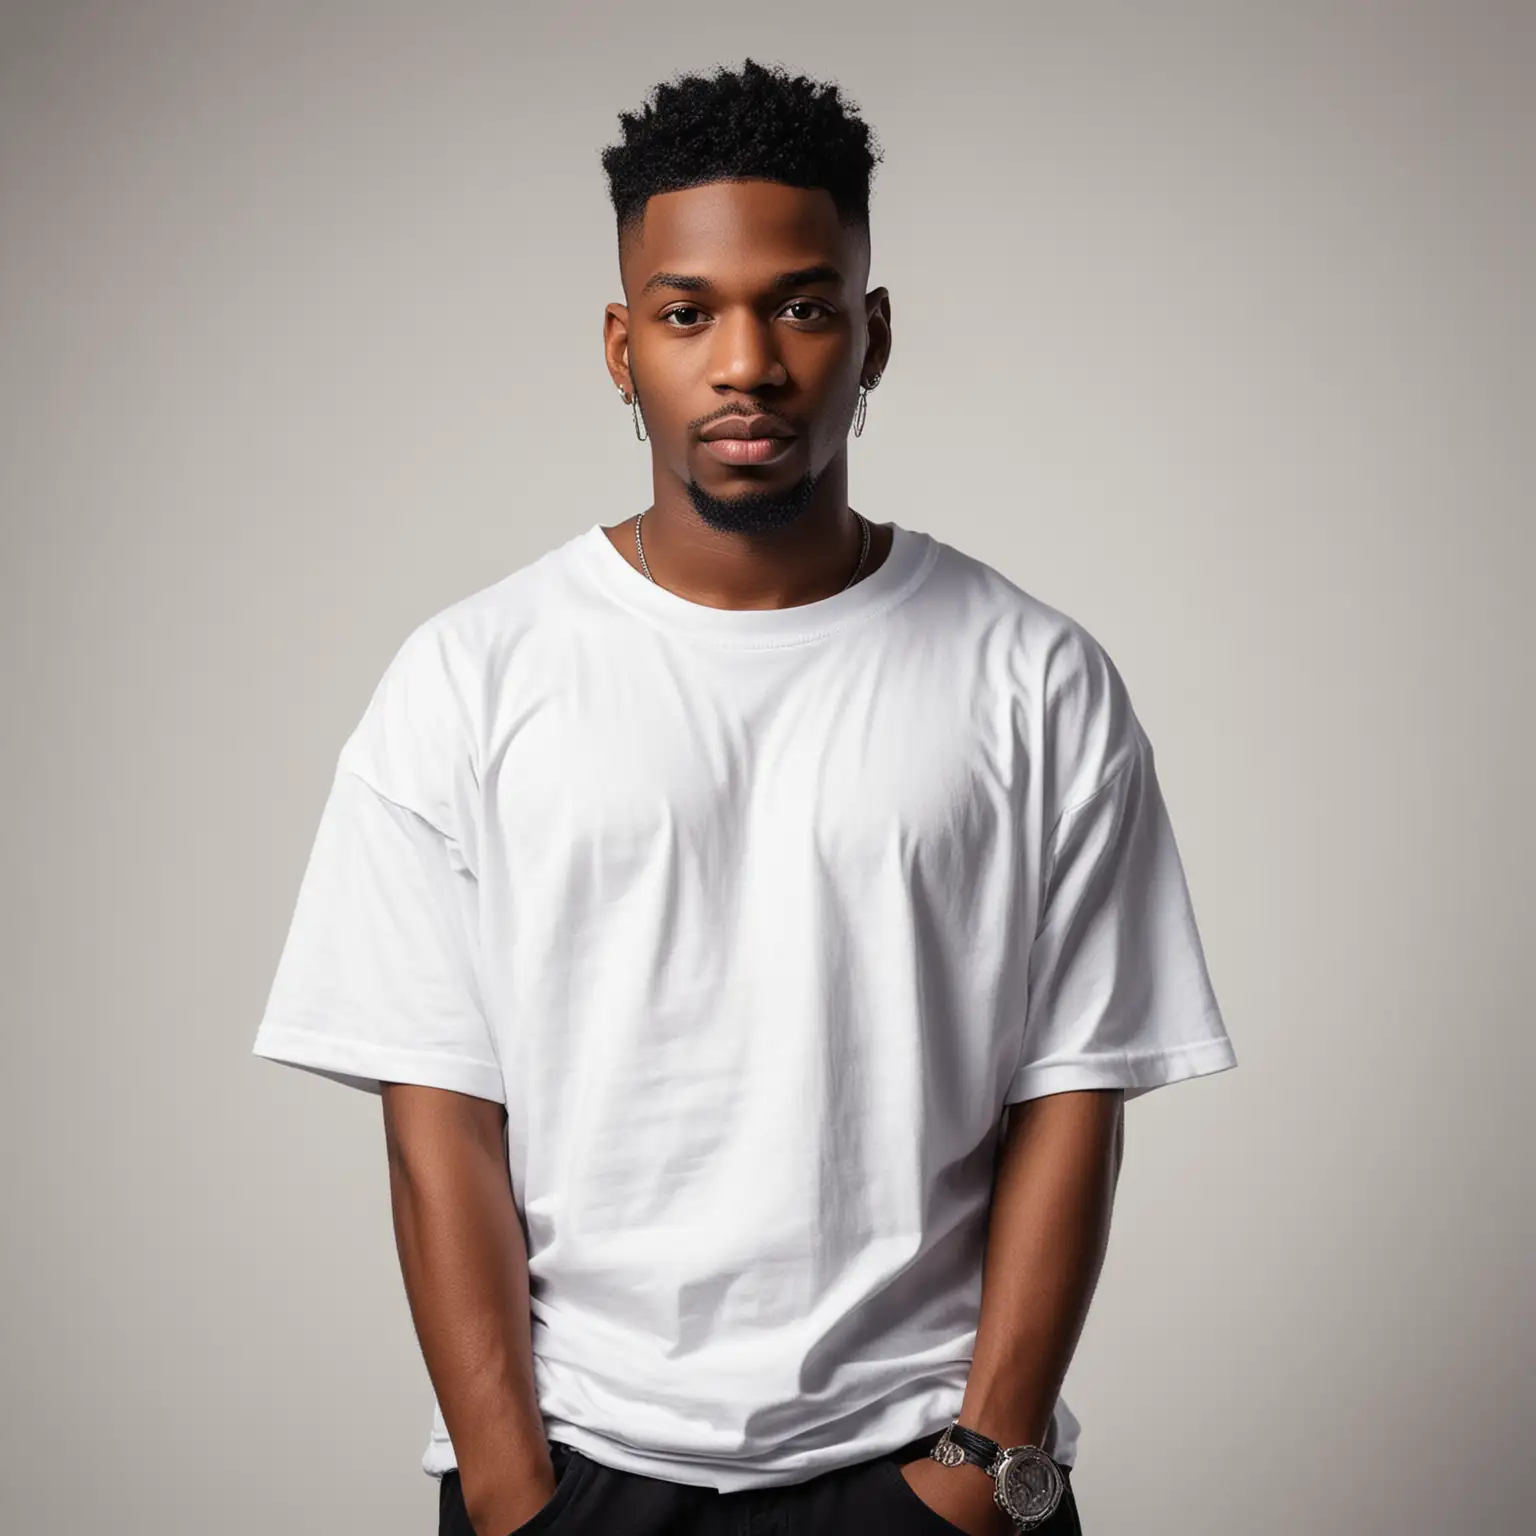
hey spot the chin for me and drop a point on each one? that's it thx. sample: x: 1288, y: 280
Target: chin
x: 755, y: 509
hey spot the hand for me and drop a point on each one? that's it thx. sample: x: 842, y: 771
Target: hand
x: 962, y: 1495
x: 498, y: 1510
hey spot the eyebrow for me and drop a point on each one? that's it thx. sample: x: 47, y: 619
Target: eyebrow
x: 801, y: 277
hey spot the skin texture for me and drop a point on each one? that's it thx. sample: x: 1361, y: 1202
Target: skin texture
x: 739, y: 346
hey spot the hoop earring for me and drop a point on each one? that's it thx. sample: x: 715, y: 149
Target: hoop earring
x: 633, y: 401
x: 863, y: 405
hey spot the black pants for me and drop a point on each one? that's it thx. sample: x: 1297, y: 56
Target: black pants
x: 870, y: 1497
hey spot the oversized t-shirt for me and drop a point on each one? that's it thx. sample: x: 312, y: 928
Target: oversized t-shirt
x: 755, y: 920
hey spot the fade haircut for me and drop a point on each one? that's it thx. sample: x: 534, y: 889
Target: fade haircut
x: 757, y: 123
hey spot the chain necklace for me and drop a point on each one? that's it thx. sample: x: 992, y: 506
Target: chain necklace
x: 863, y: 550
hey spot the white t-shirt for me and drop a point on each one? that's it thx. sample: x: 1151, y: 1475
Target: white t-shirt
x: 755, y: 920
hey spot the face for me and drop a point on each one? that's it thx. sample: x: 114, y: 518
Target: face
x: 746, y: 299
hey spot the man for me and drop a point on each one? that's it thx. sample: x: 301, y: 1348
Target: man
x: 754, y: 917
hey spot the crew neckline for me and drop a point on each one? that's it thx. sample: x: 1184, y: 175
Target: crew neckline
x: 910, y: 558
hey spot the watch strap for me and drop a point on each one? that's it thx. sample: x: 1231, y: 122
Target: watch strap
x: 958, y: 1445
x: 1030, y: 1503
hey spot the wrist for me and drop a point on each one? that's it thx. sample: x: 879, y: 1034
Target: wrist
x: 1028, y: 1481
x: 1008, y: 1420
x: 502, y: 1493
x: 507, y: 1507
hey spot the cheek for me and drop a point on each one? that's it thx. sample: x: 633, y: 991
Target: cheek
x: 836, y: 420
x: 834, y: 387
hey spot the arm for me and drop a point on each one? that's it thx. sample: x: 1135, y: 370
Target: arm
x: 1048, y: 1232
x: 1051, y: 1204
x: 465, y: 1265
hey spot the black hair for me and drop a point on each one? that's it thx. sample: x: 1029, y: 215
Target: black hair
x: 758, y: 123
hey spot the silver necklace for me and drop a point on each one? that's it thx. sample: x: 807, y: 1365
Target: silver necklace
x: 863, y: 550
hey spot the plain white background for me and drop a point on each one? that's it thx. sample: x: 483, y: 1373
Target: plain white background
x: 1213, y: 326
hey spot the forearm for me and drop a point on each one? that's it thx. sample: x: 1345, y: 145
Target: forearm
x: 1046, y: 1239
x: 465, y: 1266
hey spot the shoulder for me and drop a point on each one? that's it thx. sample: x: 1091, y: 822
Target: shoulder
x: 1070, y: 696
x: 444, y: 662
x: 418, y: 740
x: 457, y: 646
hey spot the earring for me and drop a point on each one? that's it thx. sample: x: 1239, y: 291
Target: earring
x: 863, y: 405
x: 633, y: 401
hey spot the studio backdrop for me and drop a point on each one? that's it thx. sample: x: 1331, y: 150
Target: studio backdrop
x: 1212, y: 327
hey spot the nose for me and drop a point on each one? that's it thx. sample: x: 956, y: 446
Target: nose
x: 744, y: 356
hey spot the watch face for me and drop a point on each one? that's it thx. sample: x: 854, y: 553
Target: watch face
x: 1029, y: 1486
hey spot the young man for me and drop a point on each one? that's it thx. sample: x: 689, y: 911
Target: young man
x: 701, y: 896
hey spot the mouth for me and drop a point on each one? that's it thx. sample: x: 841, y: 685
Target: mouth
x: 747, y: 450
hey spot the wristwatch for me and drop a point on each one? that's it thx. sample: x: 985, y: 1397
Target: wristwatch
x: 1027, y: 1480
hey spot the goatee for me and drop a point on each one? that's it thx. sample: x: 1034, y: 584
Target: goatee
x: 764, y: 511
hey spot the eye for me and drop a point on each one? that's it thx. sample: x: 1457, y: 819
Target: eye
x: 677, y: 317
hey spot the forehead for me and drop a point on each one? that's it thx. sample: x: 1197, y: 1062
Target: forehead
x: 739, y: 232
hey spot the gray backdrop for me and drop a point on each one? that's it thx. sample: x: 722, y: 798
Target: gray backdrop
x: 1213, y: 327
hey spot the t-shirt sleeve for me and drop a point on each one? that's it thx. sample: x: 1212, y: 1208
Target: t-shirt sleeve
x: 377, y: 979
x: 1119, y: 995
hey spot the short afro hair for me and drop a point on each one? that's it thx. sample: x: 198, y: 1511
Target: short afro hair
x: 755, y: 123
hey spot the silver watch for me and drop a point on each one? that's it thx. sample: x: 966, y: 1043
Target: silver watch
x: 1027, y: 1481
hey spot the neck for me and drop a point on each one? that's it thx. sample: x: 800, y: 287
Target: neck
x: 810, y: 559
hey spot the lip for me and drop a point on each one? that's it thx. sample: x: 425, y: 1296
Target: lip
x: 760, y: 425
x: 748, y: 450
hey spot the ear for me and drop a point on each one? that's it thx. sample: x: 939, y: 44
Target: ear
x: 877, y: 325
x: 616, y: 346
